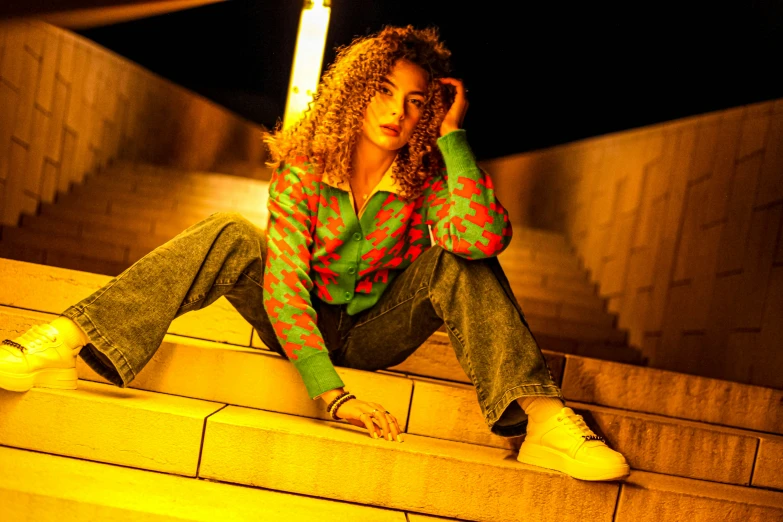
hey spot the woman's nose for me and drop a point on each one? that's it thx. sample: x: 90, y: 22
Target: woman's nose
x: 398, y: 108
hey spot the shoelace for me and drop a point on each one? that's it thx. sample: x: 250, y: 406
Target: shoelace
x: 576, y: 424
x: 33, y: 337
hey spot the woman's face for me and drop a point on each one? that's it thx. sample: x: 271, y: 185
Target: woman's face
x: 396, y: 108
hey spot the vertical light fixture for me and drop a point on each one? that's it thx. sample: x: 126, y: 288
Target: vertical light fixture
x: 308, y: 56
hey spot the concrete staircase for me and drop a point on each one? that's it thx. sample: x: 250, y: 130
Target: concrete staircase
x: 116, y: 217
x: 217, y: 427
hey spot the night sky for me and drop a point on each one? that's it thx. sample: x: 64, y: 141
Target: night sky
x: 538, y: 74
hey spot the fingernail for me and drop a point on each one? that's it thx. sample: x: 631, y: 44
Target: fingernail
x: 390, y: 437
x: 399, y: 438
x: 374, y: 435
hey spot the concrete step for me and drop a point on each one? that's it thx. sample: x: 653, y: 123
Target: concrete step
x: 541, y: 239
x: 95, y: 248
x: 629, y: 387
x: 186, y: 182
x: 261, y: 449
x: 54, y: 242
x: 76, y: 229
x: 523, y: 254
x: 572, y: 284
x: 437, y: 409
x: 558, y: 296
x: 136, y: 209
x: 230, y: 374
x: 44, y: 487
x: 293, y: 454
x: 141, y: 170
x: 53, y: 289
x: 170, y: 202
x: 136, y: 242
x: 33, y: 254
x: 94, y: 421
x: 524, y: 266
x: 97, y: 255
x: 137, y: 235
x: 159, y: 224
x: 650, y: 497
x: 566, y: 329
x: 180, y: 220
x: 664, y: 445
x: 201, y: 185
x: 673, y: 394
x: 553, y: 309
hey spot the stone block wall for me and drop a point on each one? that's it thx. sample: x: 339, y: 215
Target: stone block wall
x: 68, y: 107
x: 680, y: 224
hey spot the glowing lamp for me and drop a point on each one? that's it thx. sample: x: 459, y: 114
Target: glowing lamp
x: 308, y: 56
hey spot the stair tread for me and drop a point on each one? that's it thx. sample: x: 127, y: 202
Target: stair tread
x: 628, y: 387
x: 138, y: 494
x: 420, y: 447
x: 158, y: 375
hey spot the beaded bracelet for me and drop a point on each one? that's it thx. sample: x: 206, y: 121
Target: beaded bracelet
x: 343, y: 394
x: 340, y: 403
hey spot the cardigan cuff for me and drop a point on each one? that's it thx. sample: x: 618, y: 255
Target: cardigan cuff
x: 318, y: 374
x: 456, y: 152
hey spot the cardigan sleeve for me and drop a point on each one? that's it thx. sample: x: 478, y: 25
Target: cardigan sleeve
x: 466, y: 217
x: 293, y: 204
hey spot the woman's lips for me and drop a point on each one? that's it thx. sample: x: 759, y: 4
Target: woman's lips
x: 390, y: 130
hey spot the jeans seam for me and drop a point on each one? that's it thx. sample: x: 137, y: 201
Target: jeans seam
x: 258, y: 284
x: 194, y: 300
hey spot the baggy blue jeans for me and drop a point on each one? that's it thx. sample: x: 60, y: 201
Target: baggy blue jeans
x: 224, y: 255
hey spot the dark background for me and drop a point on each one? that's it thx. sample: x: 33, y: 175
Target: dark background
x: 539, y: 74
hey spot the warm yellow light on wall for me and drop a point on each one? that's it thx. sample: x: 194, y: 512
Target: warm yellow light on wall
x: 309, y: 53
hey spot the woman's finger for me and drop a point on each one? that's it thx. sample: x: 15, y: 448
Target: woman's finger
x: 366, y: 418
x: 380, y: 418
x: 394, y: 429
x: 458, y: 84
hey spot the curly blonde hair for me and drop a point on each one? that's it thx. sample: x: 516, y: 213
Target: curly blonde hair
x: 327, y: 133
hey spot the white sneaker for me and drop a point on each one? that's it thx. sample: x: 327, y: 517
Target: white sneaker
x: 565, y: 443
x: 40, y: 357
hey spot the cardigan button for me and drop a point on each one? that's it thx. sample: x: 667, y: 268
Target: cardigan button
x: 347, y: 295
x: 357, y: 236
x: 351, y: 270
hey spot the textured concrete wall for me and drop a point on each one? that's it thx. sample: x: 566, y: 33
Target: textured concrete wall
x: 68, y: 107
x: 680, y: 224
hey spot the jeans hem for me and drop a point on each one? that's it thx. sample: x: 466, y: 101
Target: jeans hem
x: 526, y: 390
x: 121, y: 374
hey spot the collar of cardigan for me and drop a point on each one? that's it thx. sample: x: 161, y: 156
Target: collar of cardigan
x: 387, y: 183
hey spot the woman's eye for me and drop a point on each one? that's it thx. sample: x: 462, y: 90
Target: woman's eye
x: 384, y: 90
x: 417, y: 102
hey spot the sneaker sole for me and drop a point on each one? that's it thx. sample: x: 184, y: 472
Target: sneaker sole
x: 58, y: 378
x: 537, y: 455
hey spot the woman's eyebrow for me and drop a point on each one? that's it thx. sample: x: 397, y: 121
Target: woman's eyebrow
x: 420, y: 93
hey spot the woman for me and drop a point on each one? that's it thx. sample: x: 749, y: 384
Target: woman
x: 382, y: 229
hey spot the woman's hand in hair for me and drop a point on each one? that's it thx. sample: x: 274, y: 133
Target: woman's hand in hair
x: 456, y: 113
x: 373, y: 417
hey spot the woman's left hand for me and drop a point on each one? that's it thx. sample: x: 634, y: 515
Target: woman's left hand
x: 456, y: 113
